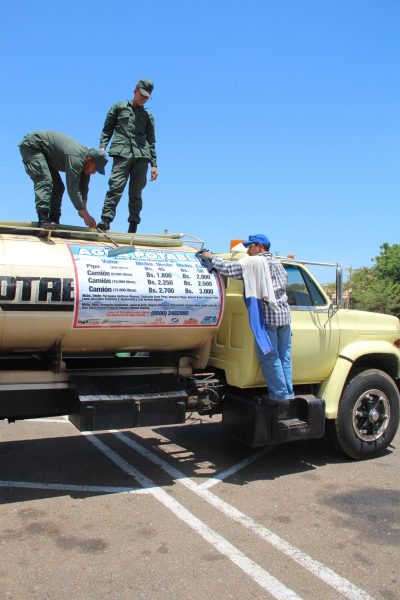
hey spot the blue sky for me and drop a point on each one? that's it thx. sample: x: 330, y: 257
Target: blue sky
x: 273, y: 116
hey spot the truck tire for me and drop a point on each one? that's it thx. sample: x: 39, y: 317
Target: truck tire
x: 368, y: 415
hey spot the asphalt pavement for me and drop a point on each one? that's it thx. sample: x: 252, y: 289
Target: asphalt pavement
x: 182, y: 512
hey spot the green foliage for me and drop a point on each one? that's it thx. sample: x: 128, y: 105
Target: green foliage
x: 388, y: 262
x: 377, y: 289
x: 378, y: 295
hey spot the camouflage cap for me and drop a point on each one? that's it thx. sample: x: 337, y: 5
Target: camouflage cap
x: 100, y: 159
x: 145, y: 87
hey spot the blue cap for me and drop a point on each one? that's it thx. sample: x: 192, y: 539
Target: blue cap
x: 257, y: 238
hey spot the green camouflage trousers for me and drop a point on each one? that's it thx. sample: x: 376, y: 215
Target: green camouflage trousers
x: 48, y: 185
x: 123, y: 168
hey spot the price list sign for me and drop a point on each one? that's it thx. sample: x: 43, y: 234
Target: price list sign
x: 144, y: 288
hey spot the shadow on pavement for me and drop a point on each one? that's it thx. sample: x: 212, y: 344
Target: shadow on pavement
x: 198, y: 450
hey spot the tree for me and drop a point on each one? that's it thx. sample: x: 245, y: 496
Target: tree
x: 376, y: 288
x: 376, y: 295
x: 388, y: 262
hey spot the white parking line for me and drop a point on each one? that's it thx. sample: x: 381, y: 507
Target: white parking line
x: 324, y: 573
x: 262, y: 577
x: 234, y: 469
x: 258, y: 574
x: 68, y: 487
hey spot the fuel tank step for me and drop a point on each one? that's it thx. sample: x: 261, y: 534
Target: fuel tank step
x: 251, y: 420
x: 109, y: 402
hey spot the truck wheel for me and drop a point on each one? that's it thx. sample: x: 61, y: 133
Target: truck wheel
x: 368, y: 415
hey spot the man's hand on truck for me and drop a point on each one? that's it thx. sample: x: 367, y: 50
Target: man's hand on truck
x: 204, y: 256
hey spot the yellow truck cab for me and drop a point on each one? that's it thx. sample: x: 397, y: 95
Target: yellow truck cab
x: 348, y: 359
x: 122, y: 330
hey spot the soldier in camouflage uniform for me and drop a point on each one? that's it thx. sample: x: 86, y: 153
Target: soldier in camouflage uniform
x: 132, y: 131
x: 44, y: 154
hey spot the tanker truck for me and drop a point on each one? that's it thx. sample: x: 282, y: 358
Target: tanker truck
x: 125, y: 330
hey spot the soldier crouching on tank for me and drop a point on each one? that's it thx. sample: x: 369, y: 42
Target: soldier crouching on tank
x: 44, y: 154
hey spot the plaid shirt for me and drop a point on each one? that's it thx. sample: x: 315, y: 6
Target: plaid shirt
x: 233, y: 268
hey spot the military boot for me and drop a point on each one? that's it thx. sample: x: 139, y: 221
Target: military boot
x: 104, y: 225
x: 132, y: 227
x: 54, y: 218
x: 44, y: 220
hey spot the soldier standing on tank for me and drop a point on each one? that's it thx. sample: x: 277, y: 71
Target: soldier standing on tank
x: 133, y: 147
x: 44, y: 154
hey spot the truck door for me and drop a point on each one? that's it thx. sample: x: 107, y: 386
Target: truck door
x: 315, y: 328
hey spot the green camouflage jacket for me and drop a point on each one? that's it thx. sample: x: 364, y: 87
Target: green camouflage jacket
x: 132, y: 131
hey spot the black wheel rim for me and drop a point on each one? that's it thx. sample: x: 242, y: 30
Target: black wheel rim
x: 371, y: 415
